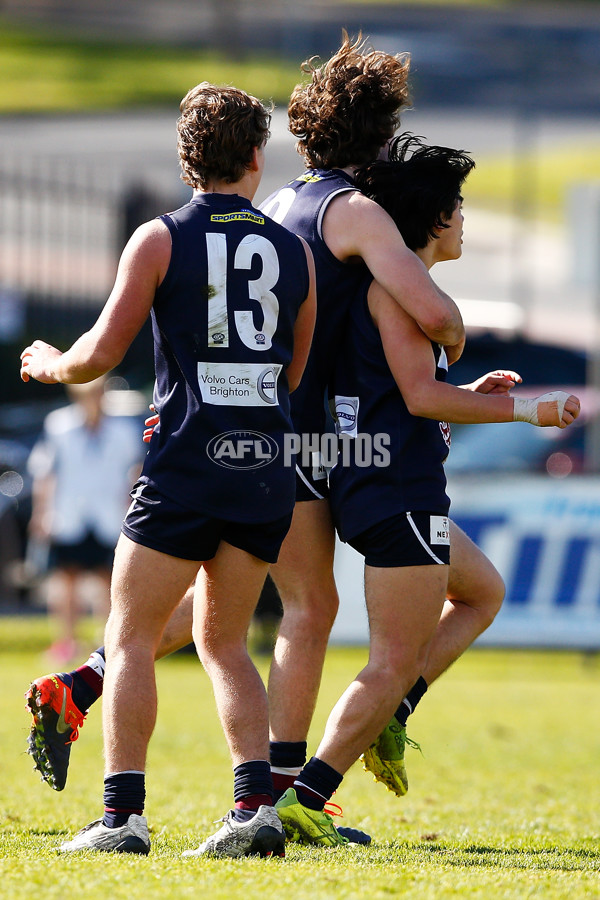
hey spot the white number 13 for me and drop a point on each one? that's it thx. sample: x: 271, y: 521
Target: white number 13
x: 258, y: 289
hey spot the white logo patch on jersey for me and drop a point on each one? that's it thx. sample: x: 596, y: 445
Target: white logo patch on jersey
x: 346, y: 415
x: 439, y: 530
x: 238, y: 384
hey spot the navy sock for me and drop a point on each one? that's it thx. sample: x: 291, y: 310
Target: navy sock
x: 410, y: 701
x: 124, y: 794
x: 252, y: 784
x: 316, y: 783
x: 287, y: 759
x: 287, y: 754
x: 243, y: 815
x: 87, y: 681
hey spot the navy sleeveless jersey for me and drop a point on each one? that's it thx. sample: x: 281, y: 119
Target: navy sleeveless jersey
x: 300, y: 206
x: 223, y: 322
x: 368, y: 402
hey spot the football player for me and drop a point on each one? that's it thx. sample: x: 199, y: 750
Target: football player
x: 343, y: 115
x: 429, y: 590
x: 231, y: 294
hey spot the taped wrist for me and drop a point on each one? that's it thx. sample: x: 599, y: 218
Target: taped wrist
x: 543, y: 411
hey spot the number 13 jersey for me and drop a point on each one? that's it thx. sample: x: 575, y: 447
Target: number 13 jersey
x: 223, y: 323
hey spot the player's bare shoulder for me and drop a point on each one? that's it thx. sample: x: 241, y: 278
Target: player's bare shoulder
x: 352, y: 203
x: 352, y: 219
x: 150, y: 247
x: 153, y: 234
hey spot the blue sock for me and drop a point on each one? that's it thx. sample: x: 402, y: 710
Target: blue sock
x: 287, y: 754
x: 316, y: 783
x: 87, y: 681
x: 252, y: 784
x: 124, y: 795
x: 287, y: 759
x: 410, y: 701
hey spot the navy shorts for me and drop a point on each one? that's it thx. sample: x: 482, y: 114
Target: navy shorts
x: 88, y: 553
x: 311, y: 482
x: 162, y: 524
x: 408, y: 539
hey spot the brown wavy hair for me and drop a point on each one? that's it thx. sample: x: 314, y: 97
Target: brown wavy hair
x: 217, y: 133
x: 351, y: 105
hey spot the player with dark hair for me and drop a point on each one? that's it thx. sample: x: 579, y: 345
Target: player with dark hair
x: 231, y: 295
x: 422, y: 602
x: 342, y: 116
x: 418, y: 185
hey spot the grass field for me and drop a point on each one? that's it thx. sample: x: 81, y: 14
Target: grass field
x: 504, y: 803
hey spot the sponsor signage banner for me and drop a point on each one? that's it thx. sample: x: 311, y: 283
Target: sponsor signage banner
x: 543, y: 536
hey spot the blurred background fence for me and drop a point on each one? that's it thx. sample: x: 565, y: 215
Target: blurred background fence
x: 63, y: 224
x: 59, y: 229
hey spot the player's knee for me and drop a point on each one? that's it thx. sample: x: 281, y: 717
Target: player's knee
x: 316, y: 606
x: 215, y: 653
x: 494, y: 597
x: 489, y: 599
x: 324, y: 612
x: 207, y: 645
x: 398, y: 663
x: 115, y: 631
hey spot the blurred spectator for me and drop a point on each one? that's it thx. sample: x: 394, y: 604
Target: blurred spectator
x: 83, y: 468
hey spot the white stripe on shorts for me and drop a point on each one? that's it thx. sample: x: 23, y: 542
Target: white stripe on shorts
x: 422, y: 541
x: 308, y: 484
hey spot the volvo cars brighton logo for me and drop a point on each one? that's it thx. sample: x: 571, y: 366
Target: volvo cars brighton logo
x: 242, y: 449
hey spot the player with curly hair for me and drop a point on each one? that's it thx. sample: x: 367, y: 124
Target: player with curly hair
x: 232, y: 301
x: 343, y: 115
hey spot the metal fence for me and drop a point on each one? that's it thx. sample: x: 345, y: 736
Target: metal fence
x: 59, y: 225
x: 63, y: 224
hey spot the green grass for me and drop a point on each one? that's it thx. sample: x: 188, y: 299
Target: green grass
x: 503, y: 804
x: 48, y: 71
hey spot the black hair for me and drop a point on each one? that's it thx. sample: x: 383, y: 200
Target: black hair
x: 418, y: 185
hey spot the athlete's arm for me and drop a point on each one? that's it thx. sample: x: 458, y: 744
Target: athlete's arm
x: 410, y: 358
x: 304, y: 327
x: 355, y: 226
x: 142, y: 267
